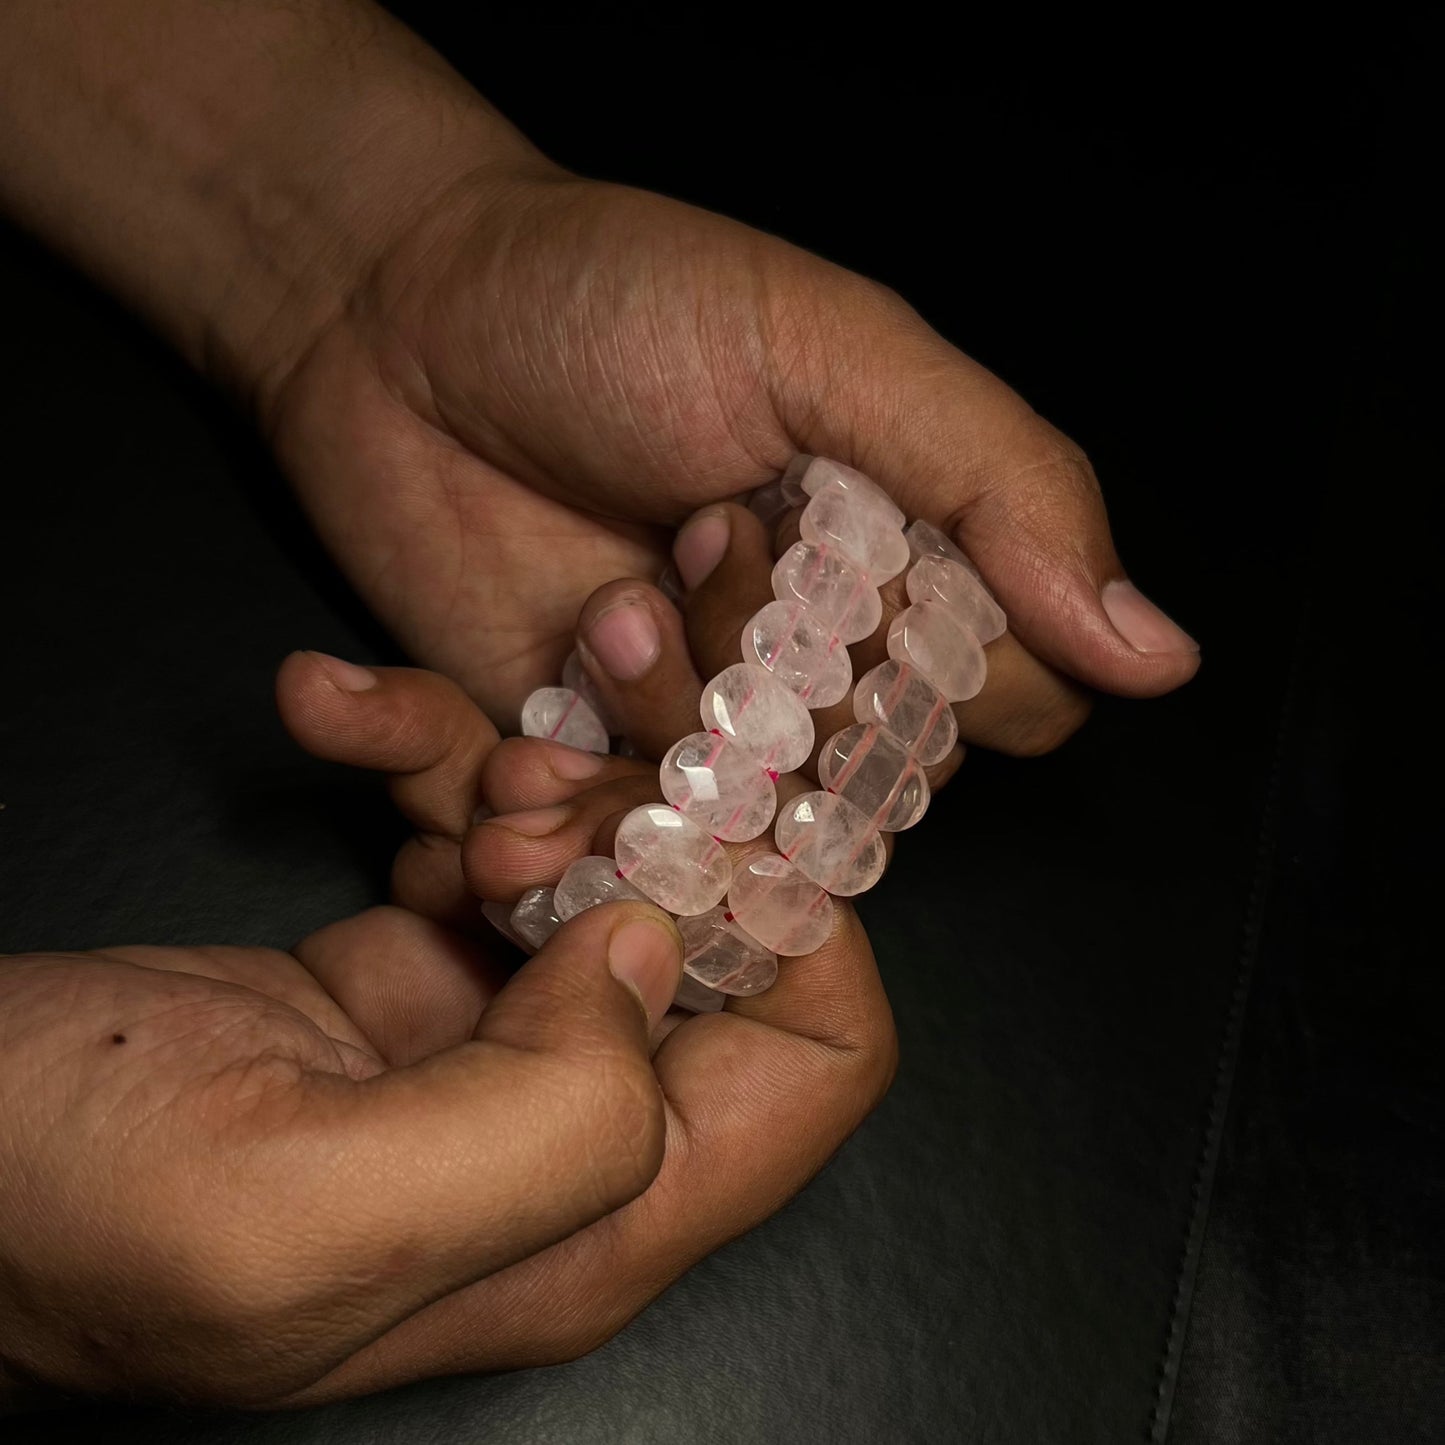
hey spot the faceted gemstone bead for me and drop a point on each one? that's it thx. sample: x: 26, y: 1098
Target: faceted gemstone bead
x: 535, y: 917
x: 757, y: 713
x: 787, y: 640
x: 858, y: 527
x: 931, y: 640
x: 697, y: 997
x: 937, y: 579
x: 778, y: 906
x: 673, y: 861
x: 926, y: 540
x: 719, y: 786
x: 768, y: 503
x: 875, y: 772
x: 588, y: 882
x: 830, y: 841
x: 500, y: 917
x: 836, y: 591
x: 820, y: 473
x: 560, y: 714
x: 790, y: 484
x: 670, y: 583
x: 575, y: 676
x: 910, y: 707
x: 718, y: 953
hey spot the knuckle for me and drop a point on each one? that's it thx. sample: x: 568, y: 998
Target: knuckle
x: 1041, y: 730
x: 624, y: 1124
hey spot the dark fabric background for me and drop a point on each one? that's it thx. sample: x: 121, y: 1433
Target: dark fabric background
x: 1164, y: 1159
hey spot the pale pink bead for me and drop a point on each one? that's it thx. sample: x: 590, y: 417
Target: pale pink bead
x: 875, y: 772
x: 790, y: 484
x: 588, y: 882
x: 672, y: 860
x: 937, y: 579
x: 821, y: 473
x: 535, y: 917
x: 500, y: 917
x: 760, y: 715
x: 669, y: 583
x: 719, y: 786
x: 932, y: 641
x: 859, y: 528
x: 910, y: 707
x: 799, y: 651
x: 718, y: 953
x: 560, y: 714
x: 830, y: 841
x: 575, y: 676
x: 697, y: 997
x: 835, y: 590
x: 768, y: 503
x: 778, y: 906
x: 926, y: 540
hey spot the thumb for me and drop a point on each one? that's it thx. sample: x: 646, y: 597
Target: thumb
x: 953, y: 444
x: 483, y: 1154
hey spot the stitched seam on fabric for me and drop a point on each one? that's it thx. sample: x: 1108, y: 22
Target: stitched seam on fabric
x: 1227, y: 1063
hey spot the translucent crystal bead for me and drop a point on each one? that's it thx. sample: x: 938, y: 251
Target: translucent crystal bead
x: 672, y: 860
x: 938, y: 579
x: 931, y: 640
x: 820, y: 473
x: 859, y: 528
x: 875, y: 772
x: 588, y: 882
x: 500, y: 917
x: 560, y: 714
x: 535, y: 917
x: 719, y: 786
x: 836, y: 591
x: 756, y: 712
x: 670, y: 583
x: 697, y: 997
x: 910, y: 707
x: 718, y: 953
x: 787, y: 640
x: 926, y: 540
x: 790, y: 484
x: 778, y: 906
x: 575, y: 676
x: 768, y: 503
x: 830, y: 841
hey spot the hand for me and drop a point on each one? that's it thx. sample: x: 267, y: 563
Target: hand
x: 234, y: 1175
x: 541, y: 381
x: 497, y: 386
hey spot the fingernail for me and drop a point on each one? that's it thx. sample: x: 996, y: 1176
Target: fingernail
x: 533, y: 823
x: 700, y: 547
x: 348, y: 676
x: 572, y: 765
x: 644, y: 954
x: 625, y: 640
x: 1140, y: 623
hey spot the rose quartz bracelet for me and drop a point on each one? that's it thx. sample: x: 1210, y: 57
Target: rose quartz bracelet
x: 718, y: 783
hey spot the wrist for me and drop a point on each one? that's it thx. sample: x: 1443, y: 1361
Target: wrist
x: 233, y: 172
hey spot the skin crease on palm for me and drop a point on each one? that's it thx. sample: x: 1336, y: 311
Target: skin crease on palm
x: 258, y: 1177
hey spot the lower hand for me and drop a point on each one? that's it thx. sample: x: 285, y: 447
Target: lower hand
x: 242, y: 1176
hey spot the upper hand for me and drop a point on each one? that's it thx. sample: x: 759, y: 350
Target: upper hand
x: 542, y: 377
